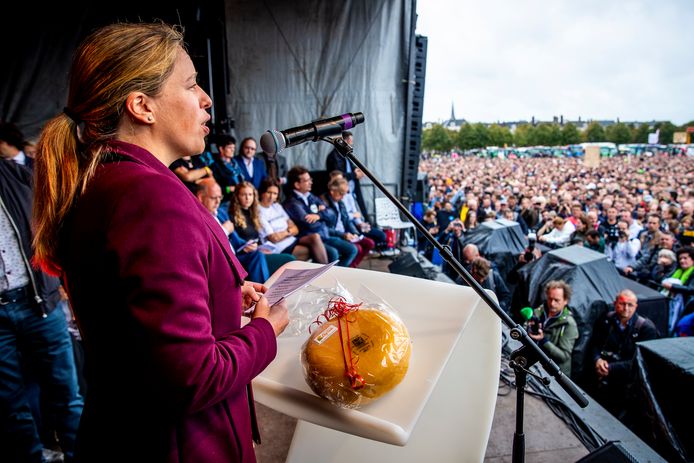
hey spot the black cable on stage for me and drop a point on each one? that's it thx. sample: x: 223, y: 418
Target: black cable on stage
x: 582, y: 430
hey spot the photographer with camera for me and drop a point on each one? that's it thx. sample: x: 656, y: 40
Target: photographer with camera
x: 556, y: 331
x: 531, y: 252
x: 623, y: 252
x: 612, y: 349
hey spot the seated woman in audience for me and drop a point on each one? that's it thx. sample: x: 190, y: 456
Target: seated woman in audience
x: 277, y: 228
x: 245, y: 215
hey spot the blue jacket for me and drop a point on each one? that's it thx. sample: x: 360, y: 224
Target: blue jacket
x: 297, y: 210
x: 331, y: 217
x: 259, y: 170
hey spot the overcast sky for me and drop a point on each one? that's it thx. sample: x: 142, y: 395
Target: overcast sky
x: 503, y: 60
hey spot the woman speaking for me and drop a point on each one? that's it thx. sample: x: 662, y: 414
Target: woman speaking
x: 155, y: 287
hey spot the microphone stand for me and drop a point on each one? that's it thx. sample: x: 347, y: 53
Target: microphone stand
x: 521, y: 359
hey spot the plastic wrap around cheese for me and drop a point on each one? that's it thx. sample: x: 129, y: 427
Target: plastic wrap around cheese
x: 380, y: 347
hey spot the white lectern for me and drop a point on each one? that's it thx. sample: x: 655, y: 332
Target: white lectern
x: 443, y: 408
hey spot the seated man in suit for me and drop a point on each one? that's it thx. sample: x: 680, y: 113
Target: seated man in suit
x: 309, y: 213
x: 339, y: 223
x: 209, y: 193
x: 358, y: 218
x: 252, y: 168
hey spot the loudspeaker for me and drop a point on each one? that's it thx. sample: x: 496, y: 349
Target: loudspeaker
x: 407, y: 264
x: 611, y: 452
x: 410, y: 263
x: 414, y: 108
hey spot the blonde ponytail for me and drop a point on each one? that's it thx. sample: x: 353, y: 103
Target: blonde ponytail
x: 56, y: 171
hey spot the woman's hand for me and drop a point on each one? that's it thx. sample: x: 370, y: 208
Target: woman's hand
x: 277, y: 315
x: 228, y: 227
x: 251, y: 293
x: 280, y: 235
x: 251, y: 247
x: 292, y: 228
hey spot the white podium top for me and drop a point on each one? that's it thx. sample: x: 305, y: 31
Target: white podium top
x: 435, y: 314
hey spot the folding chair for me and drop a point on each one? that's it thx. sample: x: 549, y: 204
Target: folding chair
x: 388, y: 217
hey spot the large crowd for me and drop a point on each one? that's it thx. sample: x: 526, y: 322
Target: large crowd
x: 637, y: 210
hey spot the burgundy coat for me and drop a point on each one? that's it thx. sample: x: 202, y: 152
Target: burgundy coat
x: 156, y: 291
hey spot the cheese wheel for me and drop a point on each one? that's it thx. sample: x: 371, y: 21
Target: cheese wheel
x: 380, y: 346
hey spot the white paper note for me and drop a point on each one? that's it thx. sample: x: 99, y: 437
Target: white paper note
x: 292, y: 280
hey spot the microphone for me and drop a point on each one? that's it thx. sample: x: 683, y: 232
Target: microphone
x: 533, y: 321
x: 274, y: 141
x: 526, y: 313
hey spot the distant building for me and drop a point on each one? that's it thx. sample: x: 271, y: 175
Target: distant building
x: 454, y: 123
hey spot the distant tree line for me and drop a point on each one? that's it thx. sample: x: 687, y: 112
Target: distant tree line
x: 469, y: 136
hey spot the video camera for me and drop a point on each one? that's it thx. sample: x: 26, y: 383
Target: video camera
x: 532, y: 239
x: 610, y: 356
x: 612, y: 235
x: 534, y: 323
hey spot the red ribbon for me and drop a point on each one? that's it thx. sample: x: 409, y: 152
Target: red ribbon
x: 339, y: 308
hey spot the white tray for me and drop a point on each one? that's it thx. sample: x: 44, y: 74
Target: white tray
x: 435, y: 314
